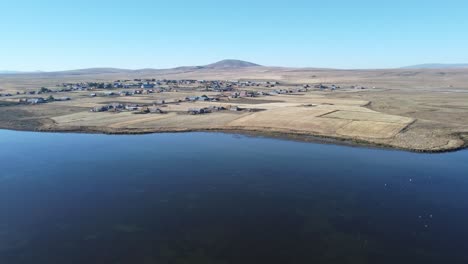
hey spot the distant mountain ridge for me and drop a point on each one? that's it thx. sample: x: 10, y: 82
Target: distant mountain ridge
x: 10, y: 72
x: 230, y: 64
x: 18, y: 72
x: 224, y: 64
x: 220, y: 65
x: 95, y: 71
x: 438, y: 66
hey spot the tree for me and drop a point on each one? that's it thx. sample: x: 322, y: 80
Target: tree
x: 44, y: 90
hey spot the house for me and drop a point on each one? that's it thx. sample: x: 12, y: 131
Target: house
x: 155, y: 110
x: 39, y: 100
x: 62, y: 99
x: 321, y: 86
x: 234, y: 108
x: 131, y: 107
x: 147, y: 86
x: 197, y: 98
x: 100, y: 108
x: 115, y: 106
x: 198, y: 111
x: 250, y: 93
x: 203, y: 98
x: 281, y: 91
x: 216, y: 108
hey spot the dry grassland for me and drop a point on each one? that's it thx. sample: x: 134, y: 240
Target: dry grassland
x: 421, y: 110
x: 208, y: 121
x: 142, y: 119
x: 327, y: 121
x: 94, y: 119
x: 370, y: 129
x: 368, y: 116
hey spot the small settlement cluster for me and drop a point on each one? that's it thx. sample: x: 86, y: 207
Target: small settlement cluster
x: 218, y: 90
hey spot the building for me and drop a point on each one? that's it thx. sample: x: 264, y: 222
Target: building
x: 131, y: 107
x: 147, y: 86
x: 203, y: 98
x: 62, y: 99
x: 39, y: 100
x: 155, y: 110
x: 99, y: 109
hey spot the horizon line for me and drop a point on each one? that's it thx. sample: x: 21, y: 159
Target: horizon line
x: 422, y: 65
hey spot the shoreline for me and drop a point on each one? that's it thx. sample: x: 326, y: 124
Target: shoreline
x: 275, y: 134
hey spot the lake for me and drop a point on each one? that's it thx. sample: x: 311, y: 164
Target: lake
x: 226, y: 198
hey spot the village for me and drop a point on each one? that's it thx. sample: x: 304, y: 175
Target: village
x: 220, y: 91
x: 152, y: 105
x: 149, y: 105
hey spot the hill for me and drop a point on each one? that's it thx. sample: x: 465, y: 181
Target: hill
x: 224, y: 64
x: 94, y: 71
x: 11, y: 72
x: 438, y: 66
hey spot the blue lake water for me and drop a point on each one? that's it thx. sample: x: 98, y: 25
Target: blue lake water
x: 223, y: 198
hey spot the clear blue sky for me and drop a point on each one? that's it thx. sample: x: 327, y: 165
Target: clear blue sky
x: 66, y: 34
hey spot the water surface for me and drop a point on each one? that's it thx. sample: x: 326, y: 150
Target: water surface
x: 221, y: 198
